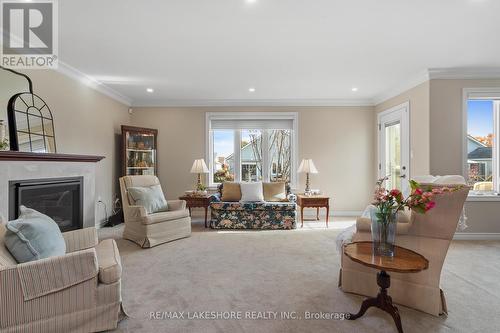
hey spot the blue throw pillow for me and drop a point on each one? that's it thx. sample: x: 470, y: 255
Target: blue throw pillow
x: 150, y: 197
x: 33, y: 236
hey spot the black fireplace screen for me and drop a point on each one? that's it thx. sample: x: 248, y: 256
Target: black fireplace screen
x: 61, y: 199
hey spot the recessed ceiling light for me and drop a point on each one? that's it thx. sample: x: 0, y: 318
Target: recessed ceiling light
x: 251, y: 1
x: 150, y: 90
x: 251, y: 89
x: 354, y: 89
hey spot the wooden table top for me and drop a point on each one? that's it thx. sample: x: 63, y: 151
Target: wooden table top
x: 314, y: 196
x: 194, y: 197
x: 404, y: 260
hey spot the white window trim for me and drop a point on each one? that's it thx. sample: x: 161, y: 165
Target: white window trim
x: 482, y: 93
x: 294, y: 116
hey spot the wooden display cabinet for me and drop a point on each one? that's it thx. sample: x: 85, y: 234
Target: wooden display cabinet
x: 139, y: 151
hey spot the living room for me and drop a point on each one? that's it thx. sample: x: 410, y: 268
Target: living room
x: 249, y: 165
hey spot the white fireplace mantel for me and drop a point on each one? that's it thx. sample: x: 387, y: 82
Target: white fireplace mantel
x: 15, y: 166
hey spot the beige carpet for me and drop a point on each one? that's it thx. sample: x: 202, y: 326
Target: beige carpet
x: 287, y: 271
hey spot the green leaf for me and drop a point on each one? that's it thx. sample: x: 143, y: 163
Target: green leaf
x: 414, y: 185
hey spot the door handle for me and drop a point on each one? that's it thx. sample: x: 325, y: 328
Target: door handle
x: 402, y: 176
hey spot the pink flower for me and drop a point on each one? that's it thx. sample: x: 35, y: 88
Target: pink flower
x: 395, y: 192
x: 430, y: 205
x: 419, y: 191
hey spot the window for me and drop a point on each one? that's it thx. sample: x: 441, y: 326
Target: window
x: 481, y: 142
x: 251, y: 147
x: 222, y: 168
x: 280, y: 156
x: 251, y: 155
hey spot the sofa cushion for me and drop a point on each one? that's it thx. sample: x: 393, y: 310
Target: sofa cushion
x: 33, y: 236
x: 149, y: 197
x: 231, y: 191
x: 165, y: 216
x: 251, y: 192
x: 108, y: 259
x: 274, y: 191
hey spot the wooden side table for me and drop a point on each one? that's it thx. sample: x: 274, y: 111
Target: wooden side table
x: 403, y: 261
x: 313, y: 201
x: 197, y: 201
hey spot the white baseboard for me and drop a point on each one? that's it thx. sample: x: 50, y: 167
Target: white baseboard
x: 476, y: 236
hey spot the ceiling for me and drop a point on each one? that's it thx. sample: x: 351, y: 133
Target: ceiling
x: 211, y: 52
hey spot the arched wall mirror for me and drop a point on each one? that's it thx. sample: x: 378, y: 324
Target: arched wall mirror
x: 10, y: 84
x: 30, y: 121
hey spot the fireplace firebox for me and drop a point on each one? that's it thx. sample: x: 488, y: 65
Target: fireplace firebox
x: 59, y: 198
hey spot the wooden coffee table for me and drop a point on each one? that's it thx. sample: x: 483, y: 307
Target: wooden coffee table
x: 403, y: 261
x: 197, y: 201
x: 313, y: 201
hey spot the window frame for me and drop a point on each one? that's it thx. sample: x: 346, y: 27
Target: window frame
x: 490, y: 93
x: 293, y: 116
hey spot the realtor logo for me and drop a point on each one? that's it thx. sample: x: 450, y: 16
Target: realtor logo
x: 29, y: 34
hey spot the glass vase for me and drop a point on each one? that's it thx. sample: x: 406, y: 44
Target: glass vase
x: 383, y: 232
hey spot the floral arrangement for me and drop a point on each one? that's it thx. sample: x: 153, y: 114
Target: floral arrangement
x: 419, y: 200
x: 389, y: 202
x: 223, y: 175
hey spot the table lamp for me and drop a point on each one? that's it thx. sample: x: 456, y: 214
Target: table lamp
x: 307, y: 166
x: 199, y: 167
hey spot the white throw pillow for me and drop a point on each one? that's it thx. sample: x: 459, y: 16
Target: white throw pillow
x: 251, y: 192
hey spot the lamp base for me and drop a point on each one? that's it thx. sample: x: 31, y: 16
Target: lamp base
x: 307, y: 191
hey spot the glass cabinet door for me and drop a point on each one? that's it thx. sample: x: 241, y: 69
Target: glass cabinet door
x: 140, y: 151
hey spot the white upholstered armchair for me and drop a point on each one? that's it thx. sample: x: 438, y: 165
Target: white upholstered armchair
x: 429, y: 234
x: 76, y: 292
x: 149, y: 230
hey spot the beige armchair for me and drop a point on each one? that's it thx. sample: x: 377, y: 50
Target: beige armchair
x: 77, y: 292
x: 429, y: 234
x: 149, y: 230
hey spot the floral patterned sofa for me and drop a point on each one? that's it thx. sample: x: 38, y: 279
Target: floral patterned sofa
x: 252, y: 215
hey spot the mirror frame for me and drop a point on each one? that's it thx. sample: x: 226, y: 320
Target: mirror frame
x: 11, y: 114
x: 45, y: 120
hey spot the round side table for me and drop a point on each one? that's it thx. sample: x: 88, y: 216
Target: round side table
x: 403, y: 261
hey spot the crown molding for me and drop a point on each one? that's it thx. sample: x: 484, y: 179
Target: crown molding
x: 252, y: 102
x: 424, y: 76
x: 436, y: 74
x: 464, y: 73
x: 402, y: 87
x: 89, y: 81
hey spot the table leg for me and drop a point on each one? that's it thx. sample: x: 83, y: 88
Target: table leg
x: 383, y: 301
x: 302, y: 216
x: 327, y: 214
x: 206, y: 212
x: 317, y: 213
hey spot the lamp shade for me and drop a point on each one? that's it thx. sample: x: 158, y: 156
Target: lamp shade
x: 199, y: 166
x: 307, y: 166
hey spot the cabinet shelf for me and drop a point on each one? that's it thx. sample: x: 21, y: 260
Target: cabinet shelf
x: 141, y: 150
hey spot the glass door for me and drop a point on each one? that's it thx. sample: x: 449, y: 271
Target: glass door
x: 394, y: 147
x: 139, y: 151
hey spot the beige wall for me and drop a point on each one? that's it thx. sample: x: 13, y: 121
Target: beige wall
x: 338, y: 139
x: 436, y: 139
x: 86, y: 122
x: 419, y: 126
x: 446, y: 134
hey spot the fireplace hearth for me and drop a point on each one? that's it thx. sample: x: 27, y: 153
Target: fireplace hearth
x: 59, y: 198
